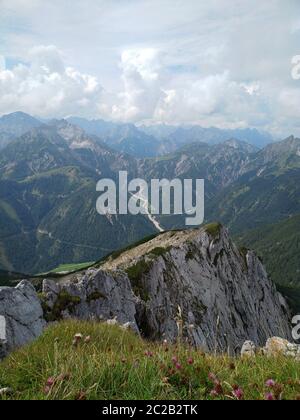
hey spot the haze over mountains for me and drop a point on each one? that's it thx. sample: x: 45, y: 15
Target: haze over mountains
x: 142, y: 141
x: 49, y: 171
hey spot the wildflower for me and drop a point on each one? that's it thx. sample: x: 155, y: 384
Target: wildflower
x: 238, y: 393
x: 270, y: 383
x: 190, y: 361
x: 218, y: 388
x: 214, y: 393
x: 87, y: 339
x: 269, y: 397
x: 50, y: 381
x: 212, y: 377
x: 148, y: 353
x: 78, y: 337
x: 5, y: 391
x: 178, y: 366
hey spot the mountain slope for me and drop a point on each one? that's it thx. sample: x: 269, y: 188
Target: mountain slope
x: 47, y: 187
x: 279, y: 246
x: 268, y: 190
x: 175, y: 137
x: 125, y: 138
x: 18, y: 123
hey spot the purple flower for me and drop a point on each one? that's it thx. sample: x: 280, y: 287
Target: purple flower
x: 269, y: 397
x: 238, y: 393
x: 214, y: 393
x: 270, y: 383
x: 212, y: 377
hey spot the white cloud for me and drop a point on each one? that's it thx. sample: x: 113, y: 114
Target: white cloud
x: 225, y: 63
x: 47, y: 88
x: 141, y: 76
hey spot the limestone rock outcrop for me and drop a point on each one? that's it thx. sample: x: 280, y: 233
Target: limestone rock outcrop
x: 21, y: 317
x: 195, y: 286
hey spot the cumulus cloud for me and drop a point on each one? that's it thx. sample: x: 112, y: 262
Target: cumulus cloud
x: 151, y: 92
x: 142, y: 80
x: 212, y: 63
x: 46, y: 87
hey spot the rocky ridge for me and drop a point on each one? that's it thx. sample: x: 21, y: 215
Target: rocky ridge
x: 194, y: 285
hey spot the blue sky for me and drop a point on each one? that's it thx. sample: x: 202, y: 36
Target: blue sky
x: 224, y: 63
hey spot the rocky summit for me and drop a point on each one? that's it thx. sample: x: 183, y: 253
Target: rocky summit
x: 195, y: 286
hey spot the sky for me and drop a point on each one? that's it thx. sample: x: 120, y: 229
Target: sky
x: 223, y: 63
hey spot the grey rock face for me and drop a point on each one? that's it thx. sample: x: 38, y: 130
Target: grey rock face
x: 21, y: 317
x: 97, y: 295
x: 193, y: 285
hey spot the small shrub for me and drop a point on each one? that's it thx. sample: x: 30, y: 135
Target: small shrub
x: 63, y: 302
x: 213, y: 229
x: 96, y: 295
x: 160, y: 251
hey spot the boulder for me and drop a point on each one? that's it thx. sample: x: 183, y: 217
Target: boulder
x: 277, y: 346
x: 21, y: 316
x: 248, y: 349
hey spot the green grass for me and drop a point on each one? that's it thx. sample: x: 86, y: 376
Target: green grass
x: 213, y: 229
x: 71, y: 267
x: 117, y: 364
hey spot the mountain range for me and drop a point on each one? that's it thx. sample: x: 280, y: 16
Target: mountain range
x: 48, y: 174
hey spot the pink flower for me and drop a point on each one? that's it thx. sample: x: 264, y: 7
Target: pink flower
x: 148, y: 354
x: 238, y: 393
x: 214, y: 393
x: 212, y: 377
x: 270, y: 383
x: 178, y: 366
x: 50, y: 382
x: 269, y: 397
x: 190, y: 361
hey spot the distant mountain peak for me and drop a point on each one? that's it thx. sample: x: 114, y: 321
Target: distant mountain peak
x: 17, y: 123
